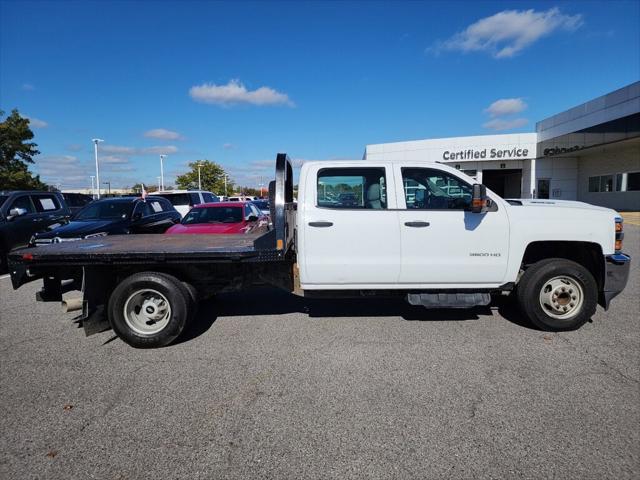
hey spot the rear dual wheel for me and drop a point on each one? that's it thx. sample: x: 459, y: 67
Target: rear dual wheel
x: 557, y: 294
x: 151, y: 309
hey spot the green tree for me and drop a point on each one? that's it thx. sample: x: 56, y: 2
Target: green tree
x: 16, y: 153
x: 211, y: 174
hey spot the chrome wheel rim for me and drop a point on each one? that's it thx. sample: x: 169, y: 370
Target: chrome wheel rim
x: 561, y: 297
x: 147, y: 312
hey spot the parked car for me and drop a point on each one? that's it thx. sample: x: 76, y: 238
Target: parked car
x: 114, y: 216
x: 75, y: 201
x: 263, y: 206
x: 24, y: 213
x: 242, y: 199
x: 184, y: 200
x: 223, y: 218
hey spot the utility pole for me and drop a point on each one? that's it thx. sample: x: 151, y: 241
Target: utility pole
x: 95, y: 143
x: 162, y: 157
x: 109, y: 185
x: 225, y: 184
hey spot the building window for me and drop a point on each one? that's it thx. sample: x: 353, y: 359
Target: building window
x: 606, y: 183
x: 619, y: 182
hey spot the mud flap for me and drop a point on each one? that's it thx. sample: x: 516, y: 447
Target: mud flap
x: 96, y: 288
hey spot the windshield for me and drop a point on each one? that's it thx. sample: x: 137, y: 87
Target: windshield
x: 179, y: 199
x: 261, y: 204
x: 105, y: 211
x: 213, y: 215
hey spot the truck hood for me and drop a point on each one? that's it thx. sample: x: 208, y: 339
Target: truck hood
x: 79, y: 229
x: 548, y: 203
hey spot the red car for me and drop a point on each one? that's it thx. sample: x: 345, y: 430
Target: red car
x: 222, y: 218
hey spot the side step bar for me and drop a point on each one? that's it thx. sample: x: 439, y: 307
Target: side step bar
x: 449, y: 300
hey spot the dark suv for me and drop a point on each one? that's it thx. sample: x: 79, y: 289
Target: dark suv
x: 23, y: 213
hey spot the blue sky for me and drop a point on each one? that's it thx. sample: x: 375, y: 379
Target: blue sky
x: 237, y: 82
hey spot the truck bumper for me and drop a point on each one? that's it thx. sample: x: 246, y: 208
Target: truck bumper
x: 616, y: 274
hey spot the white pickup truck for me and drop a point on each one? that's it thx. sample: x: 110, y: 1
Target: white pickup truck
x: 423, y: 231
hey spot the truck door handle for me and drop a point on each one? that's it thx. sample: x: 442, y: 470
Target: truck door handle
x: 321, y: 224
x: 417, y: 224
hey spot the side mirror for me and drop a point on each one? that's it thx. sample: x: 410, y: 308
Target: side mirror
x: 252, y: 218
x: 479, y: 199
x: 16, y: 212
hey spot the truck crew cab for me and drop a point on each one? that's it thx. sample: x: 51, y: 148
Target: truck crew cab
x: 426, y: 232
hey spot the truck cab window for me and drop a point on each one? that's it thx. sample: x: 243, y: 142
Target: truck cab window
x: 359, y: 188
x: 430, y: 189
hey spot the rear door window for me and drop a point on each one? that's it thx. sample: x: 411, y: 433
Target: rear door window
x: 195, y: 198
x: 46, y: 203
x: 359, y: 188
x: 177, y: 199
x: 209, y: 197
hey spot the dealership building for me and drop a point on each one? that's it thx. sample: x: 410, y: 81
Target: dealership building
x: 589, y: 153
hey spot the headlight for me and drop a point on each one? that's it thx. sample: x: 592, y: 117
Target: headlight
x: 95, y: 235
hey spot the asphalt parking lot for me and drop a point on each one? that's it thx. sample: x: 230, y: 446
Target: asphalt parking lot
x: 272, y: 386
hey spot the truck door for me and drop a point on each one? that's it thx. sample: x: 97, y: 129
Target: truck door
x: 350, y: 234
x: 442, y: 241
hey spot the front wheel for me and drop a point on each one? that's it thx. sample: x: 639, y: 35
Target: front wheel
x: 557, y: 294
x: 150, y: 309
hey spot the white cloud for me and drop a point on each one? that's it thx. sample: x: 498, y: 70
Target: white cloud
x: 235, y: 92
x: 165, y: 150
x: 508, y: 32
x: 113, y: 159
x: 36, y: 122
x: 132, y: 151
x: 27, y: 87
x: 506, y: 106
x: 117, y: 149
x: 228, y: 146
x: 162, y: 134
x: 75, y: 147
x: 505, y: 124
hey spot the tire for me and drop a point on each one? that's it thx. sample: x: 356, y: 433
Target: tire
x: 557, y: 294
x: 150, y: 309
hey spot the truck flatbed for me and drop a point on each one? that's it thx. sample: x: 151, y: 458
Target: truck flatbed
x: 145, y: 248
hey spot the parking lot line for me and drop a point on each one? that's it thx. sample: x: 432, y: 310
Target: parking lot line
x: 4, y: 276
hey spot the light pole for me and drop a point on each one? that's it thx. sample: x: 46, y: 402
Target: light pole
x: 109, y: 185
x: 93, y: 188
x: 95, y: 143
x: 162, y: 157
x: 199, y: 181
x: 225, y: 184
x: 158, y: 183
